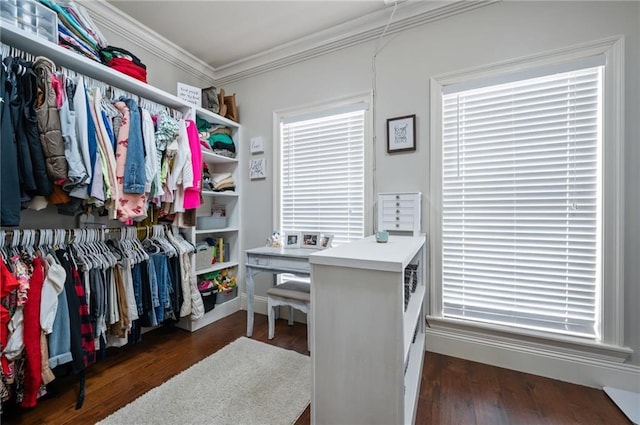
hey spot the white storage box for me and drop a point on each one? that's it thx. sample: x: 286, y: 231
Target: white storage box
x: 204, y: 258
x: 211, y: 222
x: 32, y: 17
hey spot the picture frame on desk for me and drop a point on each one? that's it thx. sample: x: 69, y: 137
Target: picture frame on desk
x: 325, y: 241
x: 310, y: 240
x: 292, y: 240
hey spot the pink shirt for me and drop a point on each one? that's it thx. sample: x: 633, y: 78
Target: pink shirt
x: 192, y: 194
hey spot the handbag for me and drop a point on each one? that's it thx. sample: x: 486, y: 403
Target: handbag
x: 210, y: 99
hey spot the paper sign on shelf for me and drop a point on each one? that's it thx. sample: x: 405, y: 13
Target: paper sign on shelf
x: 190, y: 94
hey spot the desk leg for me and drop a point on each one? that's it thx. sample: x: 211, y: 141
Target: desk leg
x: 250, y: 296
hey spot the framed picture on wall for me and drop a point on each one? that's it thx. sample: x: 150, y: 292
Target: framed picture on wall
x: 258, y: 169
x: 401, y: 134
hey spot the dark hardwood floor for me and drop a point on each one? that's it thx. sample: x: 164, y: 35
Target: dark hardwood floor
x: 453, y: 391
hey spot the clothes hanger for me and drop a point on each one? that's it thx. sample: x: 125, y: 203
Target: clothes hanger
x: 2, y: 242
x: 159, y: 231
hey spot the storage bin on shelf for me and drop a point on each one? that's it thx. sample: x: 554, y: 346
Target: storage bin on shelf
x: 204, y: 256
x: 209, y: 299
x: 224, y: 281
x: 32, y: 17
x: 211, y: 222
x: 226, y: 295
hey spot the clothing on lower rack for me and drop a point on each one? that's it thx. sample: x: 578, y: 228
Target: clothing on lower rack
x: 61, y: 306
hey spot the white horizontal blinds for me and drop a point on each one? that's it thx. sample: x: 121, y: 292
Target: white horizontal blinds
x: 322, y: 175
x: 521, y: 208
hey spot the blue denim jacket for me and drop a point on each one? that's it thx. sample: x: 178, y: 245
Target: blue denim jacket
x: 134, y: 173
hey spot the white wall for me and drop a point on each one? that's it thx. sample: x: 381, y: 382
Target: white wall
x: 499, y: 32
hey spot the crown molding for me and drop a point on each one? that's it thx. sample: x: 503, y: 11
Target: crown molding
x: 408, y: 15
x: 113, y: 19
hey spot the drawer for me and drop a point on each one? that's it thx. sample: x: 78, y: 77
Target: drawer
x: 397, y: 225
x: 392, y: 203
x: 259, y: 260
x: 399, y: 197
x: 395, y: 211
x: 276, y: 262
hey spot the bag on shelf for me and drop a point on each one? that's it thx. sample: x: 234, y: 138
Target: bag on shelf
x: 124, y: 61
x: 210, y: 99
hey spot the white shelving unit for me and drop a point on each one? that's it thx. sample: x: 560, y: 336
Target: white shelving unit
x: 36, y: 46
x: 367, y: 347
x: 231, y: 232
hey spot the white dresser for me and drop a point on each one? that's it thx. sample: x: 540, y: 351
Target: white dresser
x: 368, y: 344
x: 399, y: 212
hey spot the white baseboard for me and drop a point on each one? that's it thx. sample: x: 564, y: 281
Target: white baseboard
x: 560, y: 365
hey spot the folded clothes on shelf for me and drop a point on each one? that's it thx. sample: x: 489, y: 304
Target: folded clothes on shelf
x: 222, y: 181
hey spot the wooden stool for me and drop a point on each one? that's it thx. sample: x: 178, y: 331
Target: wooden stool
x: 294, y: 294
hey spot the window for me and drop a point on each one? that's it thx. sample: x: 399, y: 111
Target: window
x: 322, y: 171
x: 521, y: 181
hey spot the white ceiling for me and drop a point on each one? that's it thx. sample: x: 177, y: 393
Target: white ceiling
x: 221, y: 32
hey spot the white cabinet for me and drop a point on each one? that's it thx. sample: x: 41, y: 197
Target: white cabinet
x: 230, y: 232
x: 399, y: 212
x: 367, y: 346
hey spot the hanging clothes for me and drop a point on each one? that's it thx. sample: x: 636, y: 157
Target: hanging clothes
x: 33, y: 365
x: 129, y: 204
x: 9, y: 181
x: 49, y: 120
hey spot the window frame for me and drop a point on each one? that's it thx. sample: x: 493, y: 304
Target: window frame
x: 612, y: 240
x: 318, y: 108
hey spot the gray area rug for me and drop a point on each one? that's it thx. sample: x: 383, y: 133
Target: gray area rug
x: 246, y: 382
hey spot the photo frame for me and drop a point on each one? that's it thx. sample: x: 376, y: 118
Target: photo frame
x: 401, y: 134
x: 258, y: 169
x: 291, y: 240
x: 325, y: 241
x: 310, y: 240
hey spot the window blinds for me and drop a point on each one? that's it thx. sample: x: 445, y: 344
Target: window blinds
x: 522, y: 203
x: 322, y: 175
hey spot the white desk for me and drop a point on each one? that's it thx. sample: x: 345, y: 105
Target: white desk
x: 273, y: 260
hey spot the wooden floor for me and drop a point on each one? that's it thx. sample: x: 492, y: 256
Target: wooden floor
x: 453, y: 391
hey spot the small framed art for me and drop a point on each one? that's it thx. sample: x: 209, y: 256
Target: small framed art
x: 310, y: 240
x: 292, y: 240
x: 401, y: 134
x: 257, y: 145
x: 258, y: 169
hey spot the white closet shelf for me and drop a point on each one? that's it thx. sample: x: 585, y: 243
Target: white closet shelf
x: 217, y: 266
x: 412, y: 315
x: 215, y: 118
x: 212, y: 158
x: 225, y: 193
x: 222, y: 230
x: 36, y: 46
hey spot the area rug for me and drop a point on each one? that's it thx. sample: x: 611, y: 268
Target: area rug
x: 246, y: 382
